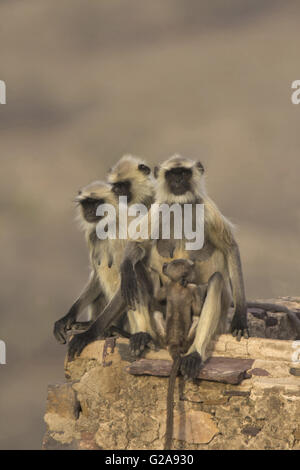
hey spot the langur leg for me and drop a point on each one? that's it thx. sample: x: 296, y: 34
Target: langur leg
x: 140, y: 325
x: 142, y: 331
x: 94, y: 310
x: 192, y: 331
x: 88, y: 295
x: 160, y: 324
x: 214, y: 307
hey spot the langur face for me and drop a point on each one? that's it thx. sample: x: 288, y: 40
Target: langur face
x: 179, y: 269
x: 89, y: 208
x: 122, y: 188
x: 179, y: 180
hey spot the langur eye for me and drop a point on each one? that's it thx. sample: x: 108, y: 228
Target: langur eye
x: 79, y: 192
x: 144, y: 169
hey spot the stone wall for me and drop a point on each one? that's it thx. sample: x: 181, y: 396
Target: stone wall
x: 251, y: 400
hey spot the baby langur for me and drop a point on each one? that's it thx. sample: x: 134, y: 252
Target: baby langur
x: 184, y: 303
x: 93, y: 295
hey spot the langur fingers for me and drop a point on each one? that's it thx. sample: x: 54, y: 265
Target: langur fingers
x: 191, y: 365
x: 60, y: 331
x: 138, y: 343
x: 239, y: 333
x: 79, y: 342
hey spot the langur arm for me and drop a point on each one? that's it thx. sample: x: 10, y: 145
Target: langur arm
x: 134, y: 254
x: 225, y: 242
x: 239, y: 321
x: 161, y: 294
x: 199, y: 293
x: 160, y: 325
x: 91, y: 291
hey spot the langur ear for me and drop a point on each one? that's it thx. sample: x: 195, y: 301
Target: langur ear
x: 156, y: 171
x: 200, y: 167
x: 144, y: 169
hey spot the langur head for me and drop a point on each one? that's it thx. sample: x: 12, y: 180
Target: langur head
x: 90, y: 197
x: 180, y: 270
x: 179, y: 180
x: 131, y: 177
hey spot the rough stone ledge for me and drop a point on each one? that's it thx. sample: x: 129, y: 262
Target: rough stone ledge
x: 102, y: 406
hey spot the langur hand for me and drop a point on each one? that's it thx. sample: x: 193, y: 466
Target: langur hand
x: 239, y: 325
x: 138, y: 343
x: 80, y: 341
x: 129, y: 287
x: 191, y: 365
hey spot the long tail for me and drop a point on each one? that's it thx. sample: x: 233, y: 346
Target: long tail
x: 170, y: 402
x: 278, y: 308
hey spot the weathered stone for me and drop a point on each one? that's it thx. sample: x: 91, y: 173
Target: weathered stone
x: 107, y: 408
x: 257, y: 325
x: 251, y: 430
x: 295, y: 371
x: 194, y: 427
x: 62, y: 400
x: 259, y: 372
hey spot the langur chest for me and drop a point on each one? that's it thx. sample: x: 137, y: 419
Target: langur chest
x: 107, y: 267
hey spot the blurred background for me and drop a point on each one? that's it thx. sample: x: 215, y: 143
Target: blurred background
x: 90, y: 80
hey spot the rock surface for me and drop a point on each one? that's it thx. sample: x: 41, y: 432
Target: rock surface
x: 103, y: 406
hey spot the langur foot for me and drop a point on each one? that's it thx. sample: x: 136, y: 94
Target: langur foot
x: 61, y: 328
x: 79, y: 342
x: 239, y: 327
x: 138, y: 343
x: 191, y: 365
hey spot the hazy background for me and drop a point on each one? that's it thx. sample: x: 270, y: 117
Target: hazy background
x: 90, y: 80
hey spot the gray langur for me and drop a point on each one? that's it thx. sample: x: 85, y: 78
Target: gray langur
x: 97, y: 292
x: 180, y: 181
x: 131, y: 178
x: 184, y: 301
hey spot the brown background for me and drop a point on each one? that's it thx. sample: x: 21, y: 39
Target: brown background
x: 90, y: 80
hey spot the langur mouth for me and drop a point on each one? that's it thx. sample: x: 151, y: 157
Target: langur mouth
x: 179, y: 190
x: 123, y: 193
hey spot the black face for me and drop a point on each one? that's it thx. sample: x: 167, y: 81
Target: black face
x: 179, y: 180
x: 122, y: 188
x: 89, y: 208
